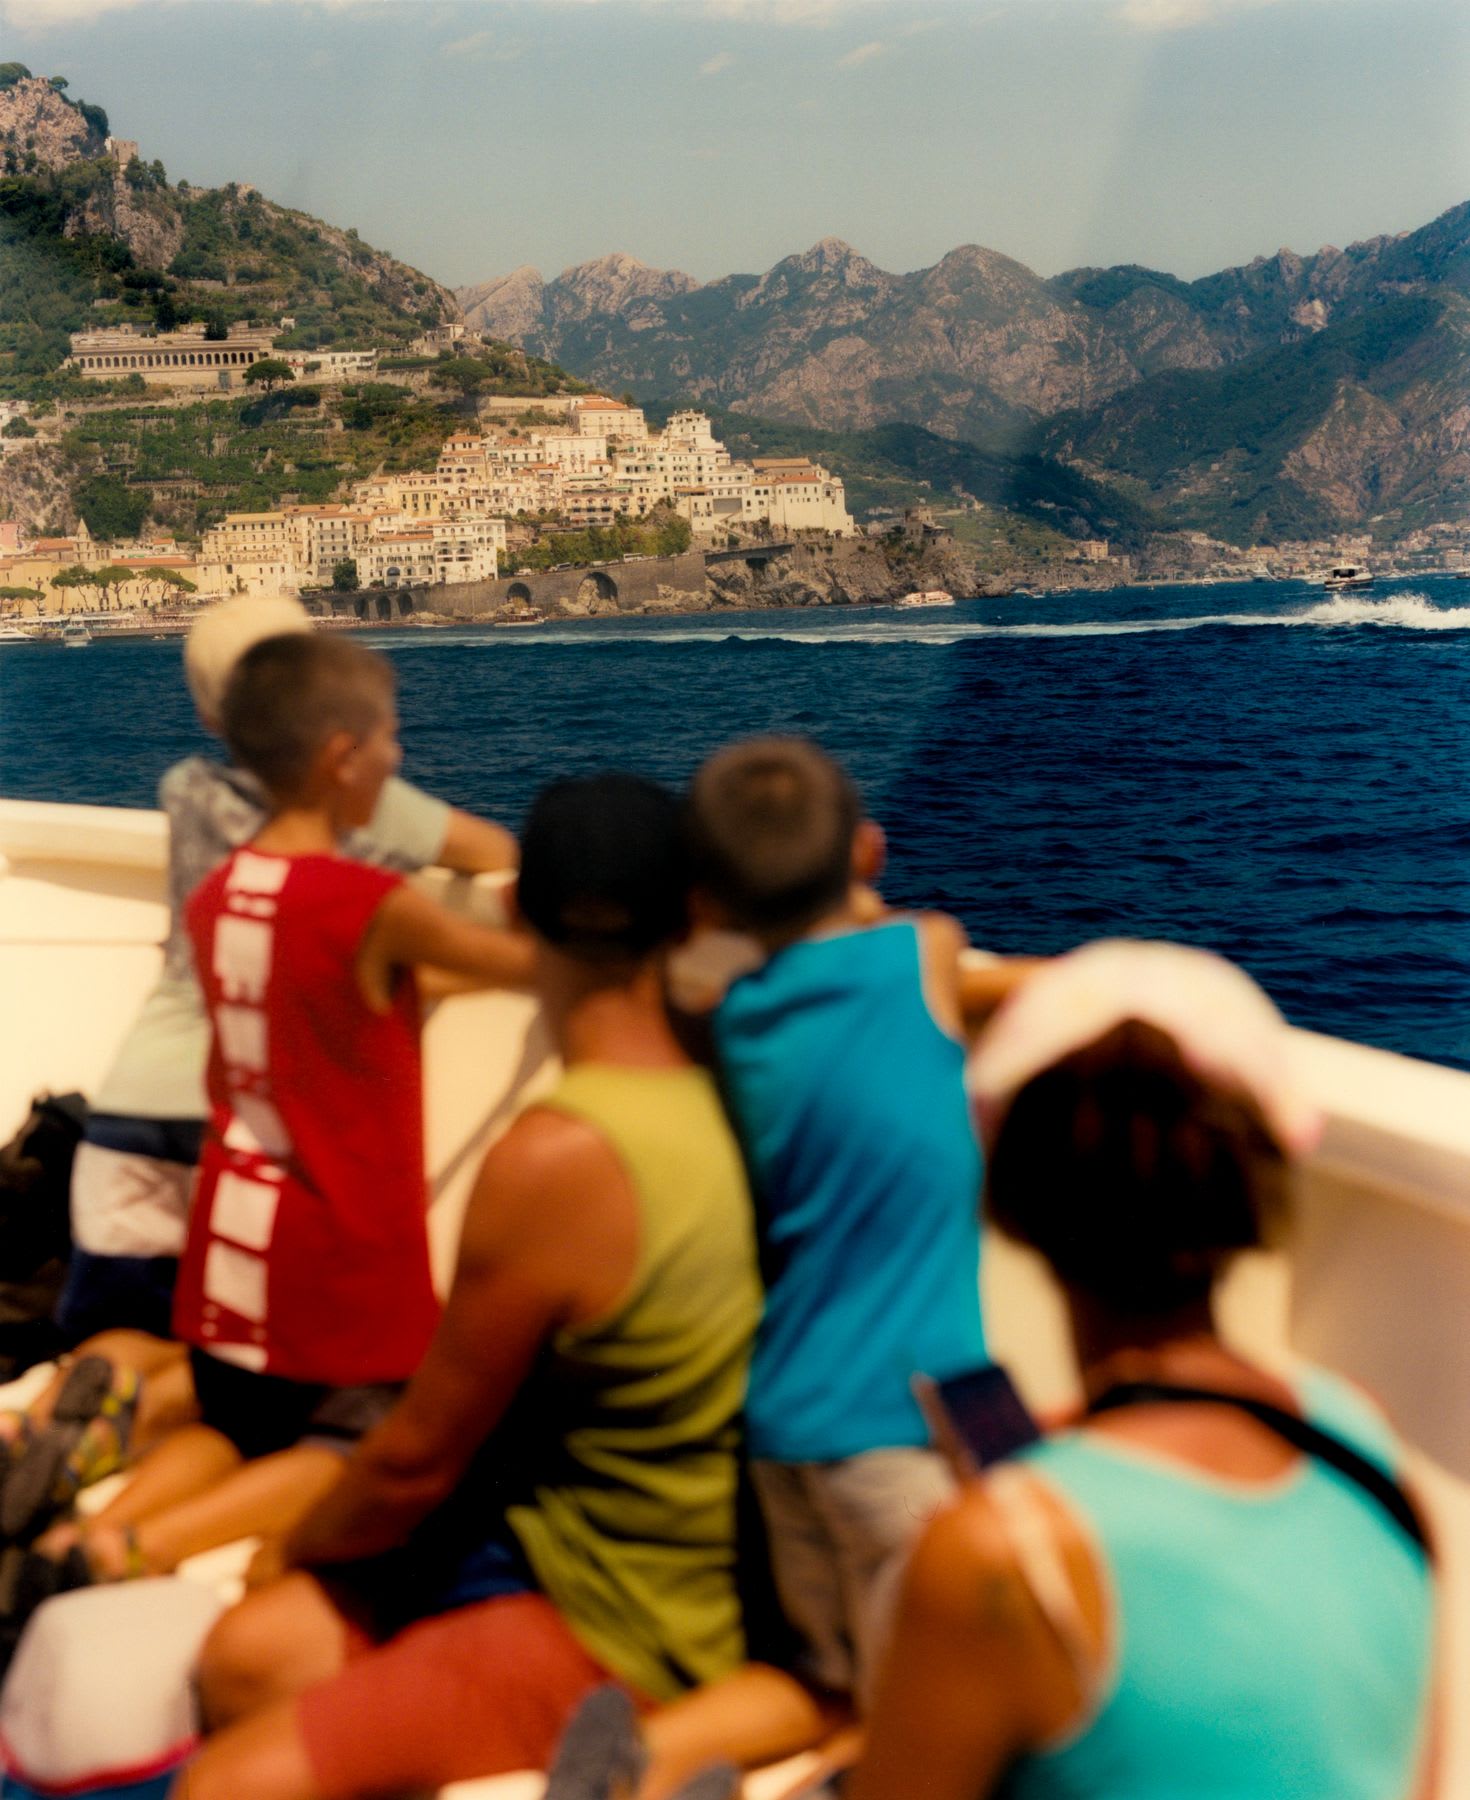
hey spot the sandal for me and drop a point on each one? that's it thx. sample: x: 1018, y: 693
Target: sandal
x: 60, y: 1459
x: 39, y: 1578
x: 601, y: 1754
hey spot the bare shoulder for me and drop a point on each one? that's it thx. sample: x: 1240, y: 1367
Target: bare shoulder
x: 968, y: 1573
x: 552, y: 1149
x: 963, y: 1573
x: 553, y: 1192
x: 941, y: 934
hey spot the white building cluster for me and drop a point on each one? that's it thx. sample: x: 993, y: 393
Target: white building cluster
x: 301, y: 546
x: 596, y: 464
x: 603, y: 464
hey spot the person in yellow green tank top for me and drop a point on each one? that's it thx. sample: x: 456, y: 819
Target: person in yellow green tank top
x: 552, y: 1503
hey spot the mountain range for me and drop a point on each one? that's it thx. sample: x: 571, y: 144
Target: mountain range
x: 1296, y: 396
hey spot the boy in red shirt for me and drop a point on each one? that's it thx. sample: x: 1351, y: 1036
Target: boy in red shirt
x: 304, y: 1290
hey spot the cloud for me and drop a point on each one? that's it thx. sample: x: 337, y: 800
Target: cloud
x: 718, y: 63
x: 864, y: 53
x: 777, y: 12
x: 481, y: 46
x: 36, y: 16
x: 41, y: 15
x: 1181, y: 15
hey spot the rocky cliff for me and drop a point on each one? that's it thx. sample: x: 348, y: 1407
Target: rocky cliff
x: 41, y: 129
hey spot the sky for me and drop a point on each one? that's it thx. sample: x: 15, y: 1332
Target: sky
x: 470, y: 137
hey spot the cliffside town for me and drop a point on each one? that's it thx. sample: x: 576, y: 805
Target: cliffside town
x: 591, y: 464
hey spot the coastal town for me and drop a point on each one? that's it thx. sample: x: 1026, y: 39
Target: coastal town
x: 532, y: 466
x: 527, y: 470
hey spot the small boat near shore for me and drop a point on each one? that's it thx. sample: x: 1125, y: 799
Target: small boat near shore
x: 75, y: 635
x: 1347, y: 575
x: 927, y: 597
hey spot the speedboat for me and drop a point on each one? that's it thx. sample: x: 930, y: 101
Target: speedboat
x: 927, y: 597
x: 1373, y: 1280
x: 1347, y: 575
x: 12, y: 634
x: 75, y: 635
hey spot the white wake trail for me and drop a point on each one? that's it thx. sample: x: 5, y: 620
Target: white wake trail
x: 1403, y: 612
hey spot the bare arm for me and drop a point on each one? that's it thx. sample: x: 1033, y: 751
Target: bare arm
x: 477, y: 846
x: 982, y: 986
x: 974, y: 1676
x: 941, y: 940
x: 550, y: 1237
x: 409, y: 930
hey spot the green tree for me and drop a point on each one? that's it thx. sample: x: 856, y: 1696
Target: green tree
x: 111, y: 509
x: 70, y: 580
x: 215, y: 328
x: 169, y: 583
x: 110, y: 581
x: 165, y: 313
x: 344, y: 575
x: 465, y: 374
x: 268, y: 373
x: 11, y: 72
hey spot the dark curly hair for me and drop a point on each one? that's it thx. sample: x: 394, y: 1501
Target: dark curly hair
x: 1134, y: 1178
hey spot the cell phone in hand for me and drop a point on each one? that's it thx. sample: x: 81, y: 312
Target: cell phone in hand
x: 977, y: 1418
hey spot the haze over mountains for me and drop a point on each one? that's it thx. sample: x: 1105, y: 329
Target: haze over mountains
x: 1293, y: 397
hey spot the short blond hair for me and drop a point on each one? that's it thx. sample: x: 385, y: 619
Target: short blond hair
x: 221, y: 636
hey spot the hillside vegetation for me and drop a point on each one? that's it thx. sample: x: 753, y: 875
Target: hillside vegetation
x: 895, y: 466
x: 185, y: 467
x: 86, y: 243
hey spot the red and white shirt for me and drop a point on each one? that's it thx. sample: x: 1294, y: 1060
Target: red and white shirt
x: 307, y: 1253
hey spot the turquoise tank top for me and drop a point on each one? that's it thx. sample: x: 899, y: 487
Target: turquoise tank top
x: 1272, y: 1641
x: 850, y: 1102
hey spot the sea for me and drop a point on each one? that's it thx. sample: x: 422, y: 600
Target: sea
x: 1280, y: 774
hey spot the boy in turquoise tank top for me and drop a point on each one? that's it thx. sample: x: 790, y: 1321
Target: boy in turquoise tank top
x: 843, y: 1068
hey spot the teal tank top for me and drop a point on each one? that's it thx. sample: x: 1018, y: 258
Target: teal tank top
x: 1271, y: 1641
x: 851, y: 1106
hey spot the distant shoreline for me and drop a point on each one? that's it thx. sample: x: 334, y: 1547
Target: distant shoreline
x: 102, y: 628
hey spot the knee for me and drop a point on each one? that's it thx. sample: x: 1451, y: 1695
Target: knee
x: 240, y: 1663
x: 272, y: 1645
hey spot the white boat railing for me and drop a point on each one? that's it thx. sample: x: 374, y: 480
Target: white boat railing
x: 1374, y: 1281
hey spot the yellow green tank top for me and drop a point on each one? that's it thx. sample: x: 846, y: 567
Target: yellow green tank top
x: 630, y: 1529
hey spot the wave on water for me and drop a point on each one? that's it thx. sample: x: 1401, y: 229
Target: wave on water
x: 1407, y: 611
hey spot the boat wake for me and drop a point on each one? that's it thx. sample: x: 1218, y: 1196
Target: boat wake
x: 1402, y: 612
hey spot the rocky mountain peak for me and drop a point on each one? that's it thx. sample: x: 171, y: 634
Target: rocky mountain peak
x: 509, y: 306
x: 612, y: 281
x: 833, y: 256
x: 41, y: 129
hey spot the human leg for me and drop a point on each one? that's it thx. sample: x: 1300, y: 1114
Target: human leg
x: 873, y: 1508
x: 759, y: 1714
x: 119, y: 1393
x: 806, y: 1572
x: 277, y: 1642
x: 481, y: 1691
x: 264, y: 1757
x: 256, y: 1499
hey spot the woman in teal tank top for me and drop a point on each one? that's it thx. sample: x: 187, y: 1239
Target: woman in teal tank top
x: 1169, y: 1601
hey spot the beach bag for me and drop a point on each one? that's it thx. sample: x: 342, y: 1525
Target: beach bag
x: 35, y: 1228
x: 99, y: 1702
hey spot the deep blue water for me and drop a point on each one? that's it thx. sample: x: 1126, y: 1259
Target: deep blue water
x: 1276, y: 773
